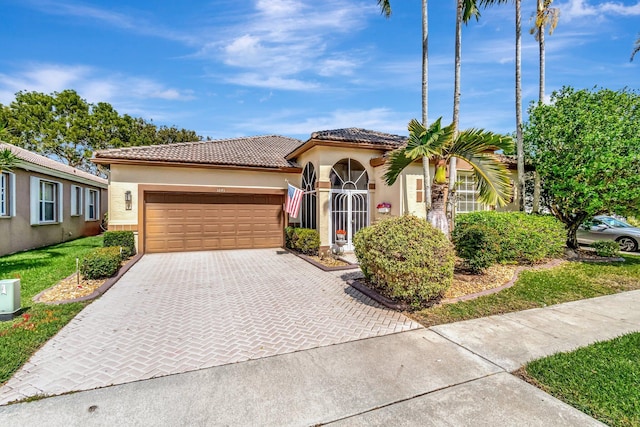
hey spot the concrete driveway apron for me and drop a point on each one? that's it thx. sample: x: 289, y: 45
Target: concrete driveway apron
x: 179, y: 312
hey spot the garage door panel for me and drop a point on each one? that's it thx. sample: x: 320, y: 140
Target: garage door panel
x: 180, y: 223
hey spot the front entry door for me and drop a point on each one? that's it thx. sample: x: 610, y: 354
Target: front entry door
x: 349, y: 212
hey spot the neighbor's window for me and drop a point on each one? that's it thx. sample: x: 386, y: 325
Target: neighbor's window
x: 46, y: 201
x: 467, y: 195
x: 76, y: 200
x: 6, y: 194
x: 92, y: 211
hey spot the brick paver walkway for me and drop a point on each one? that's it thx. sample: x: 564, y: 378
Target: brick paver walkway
x: 173, y: 313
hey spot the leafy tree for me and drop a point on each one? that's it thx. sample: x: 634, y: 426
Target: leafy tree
x: 585, y: 146
x: 475, y: 146
x: 65, y: 127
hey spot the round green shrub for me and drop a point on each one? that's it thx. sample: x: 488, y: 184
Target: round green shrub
x: 606, y: 248
x: 521, y: 237
x: 101, y: 263
x: 478, y: 245
x: 406, y: 259
x: 123, y: 239
x: 304, y: 240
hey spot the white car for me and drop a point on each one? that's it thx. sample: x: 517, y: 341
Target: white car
x: 604, y: 227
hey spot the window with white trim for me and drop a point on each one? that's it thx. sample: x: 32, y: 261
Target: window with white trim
x: 76, y: 200
x: 7, y: 194
x: 46, y: 201
x: 467, y: 194
x: 92, y: 212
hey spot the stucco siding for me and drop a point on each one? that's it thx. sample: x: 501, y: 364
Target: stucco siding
x: 17, y: 233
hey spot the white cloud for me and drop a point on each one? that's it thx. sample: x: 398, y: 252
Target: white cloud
x: 289, y: 122
x: 86, y: 13
x: 92, y: 84
x: 576, y: 9
x: 271, y: 82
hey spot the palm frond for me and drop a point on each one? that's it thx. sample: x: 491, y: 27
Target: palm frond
x: 7, y: 159
x: 636, y: 48
x: 396, y: 163
x: 385, y: 7
x: 492, y: 179
x: 470, y: 10
x: 476, y: 147
x: 428, y: 142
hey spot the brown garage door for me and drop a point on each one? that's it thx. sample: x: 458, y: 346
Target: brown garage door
x: 197, y: 222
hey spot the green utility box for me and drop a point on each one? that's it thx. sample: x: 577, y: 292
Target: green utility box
x: 9, y: 298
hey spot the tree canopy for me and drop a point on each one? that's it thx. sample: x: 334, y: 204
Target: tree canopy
x: 585, y: 145
x: 66, y: 127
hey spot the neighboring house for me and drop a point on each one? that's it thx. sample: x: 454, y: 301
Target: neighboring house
x: 43, y: 202
x: 230, y: 193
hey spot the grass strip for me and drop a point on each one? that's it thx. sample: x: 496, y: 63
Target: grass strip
x: 569, y: 282
x: 37, y: 270
x: 602, y: 380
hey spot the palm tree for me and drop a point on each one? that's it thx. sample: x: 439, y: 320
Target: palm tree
x: 465, y: 10
x: 636, y: 48
x: 385, y: 8
x: 519, y: 140
x: 442, y: 144
x: 7, y: 158
x: 545, y: 16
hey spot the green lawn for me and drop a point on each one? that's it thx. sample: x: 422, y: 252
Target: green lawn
x: 38, y: 270
x: 602, y: 380
x: 569, y: 282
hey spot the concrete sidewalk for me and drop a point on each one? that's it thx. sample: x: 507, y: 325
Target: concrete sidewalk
x: 453, y: 374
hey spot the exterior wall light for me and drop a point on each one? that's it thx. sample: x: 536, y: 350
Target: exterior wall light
x: 127, y: 200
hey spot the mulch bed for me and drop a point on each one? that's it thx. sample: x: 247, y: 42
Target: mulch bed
x: 465, y: 285
x: 324, y: 263
x: 69, y: 290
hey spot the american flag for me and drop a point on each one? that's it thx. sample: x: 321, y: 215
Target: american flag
x: 294, y: 200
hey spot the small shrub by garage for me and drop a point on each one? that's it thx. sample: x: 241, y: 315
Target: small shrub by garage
x: 100, y: 263
x: 606, y: 248
x: 304, y: 240
x: 519, y: 237
x: 123, y: 239
x: 405, y: 259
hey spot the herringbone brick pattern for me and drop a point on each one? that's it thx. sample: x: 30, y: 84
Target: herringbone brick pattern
x: 173, y: 313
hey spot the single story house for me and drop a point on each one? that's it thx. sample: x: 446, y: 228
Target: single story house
x: 230, y: 193
x: 43, y: 202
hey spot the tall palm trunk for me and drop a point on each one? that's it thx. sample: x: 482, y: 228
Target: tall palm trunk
x: 541, y: 85
x: 425, y: 102
x: 542, y: 53
x: 519, y: 139
x: 456, y: 113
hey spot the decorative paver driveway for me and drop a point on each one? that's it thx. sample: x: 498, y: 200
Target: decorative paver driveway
x: 173, y: 313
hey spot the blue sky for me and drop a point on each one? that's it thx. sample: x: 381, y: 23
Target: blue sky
x: 228, y: 68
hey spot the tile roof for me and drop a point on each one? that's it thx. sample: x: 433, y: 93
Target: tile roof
x: 363, y: 136
x: 37, y: 159
x: 256, y: 151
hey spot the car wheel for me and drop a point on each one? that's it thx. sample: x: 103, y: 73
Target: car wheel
x: 627, y: 244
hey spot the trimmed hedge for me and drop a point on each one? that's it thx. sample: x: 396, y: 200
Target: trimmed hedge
x: 606, y: 248
x: 123, y: 239
x: 478, y: 245
x: 406, y: 259
x: 101, y: 263
x: 304, y: 240
x: 518, y: 237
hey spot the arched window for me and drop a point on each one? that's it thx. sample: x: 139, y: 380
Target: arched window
x: 309, y: 198
x: 348, y: 174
